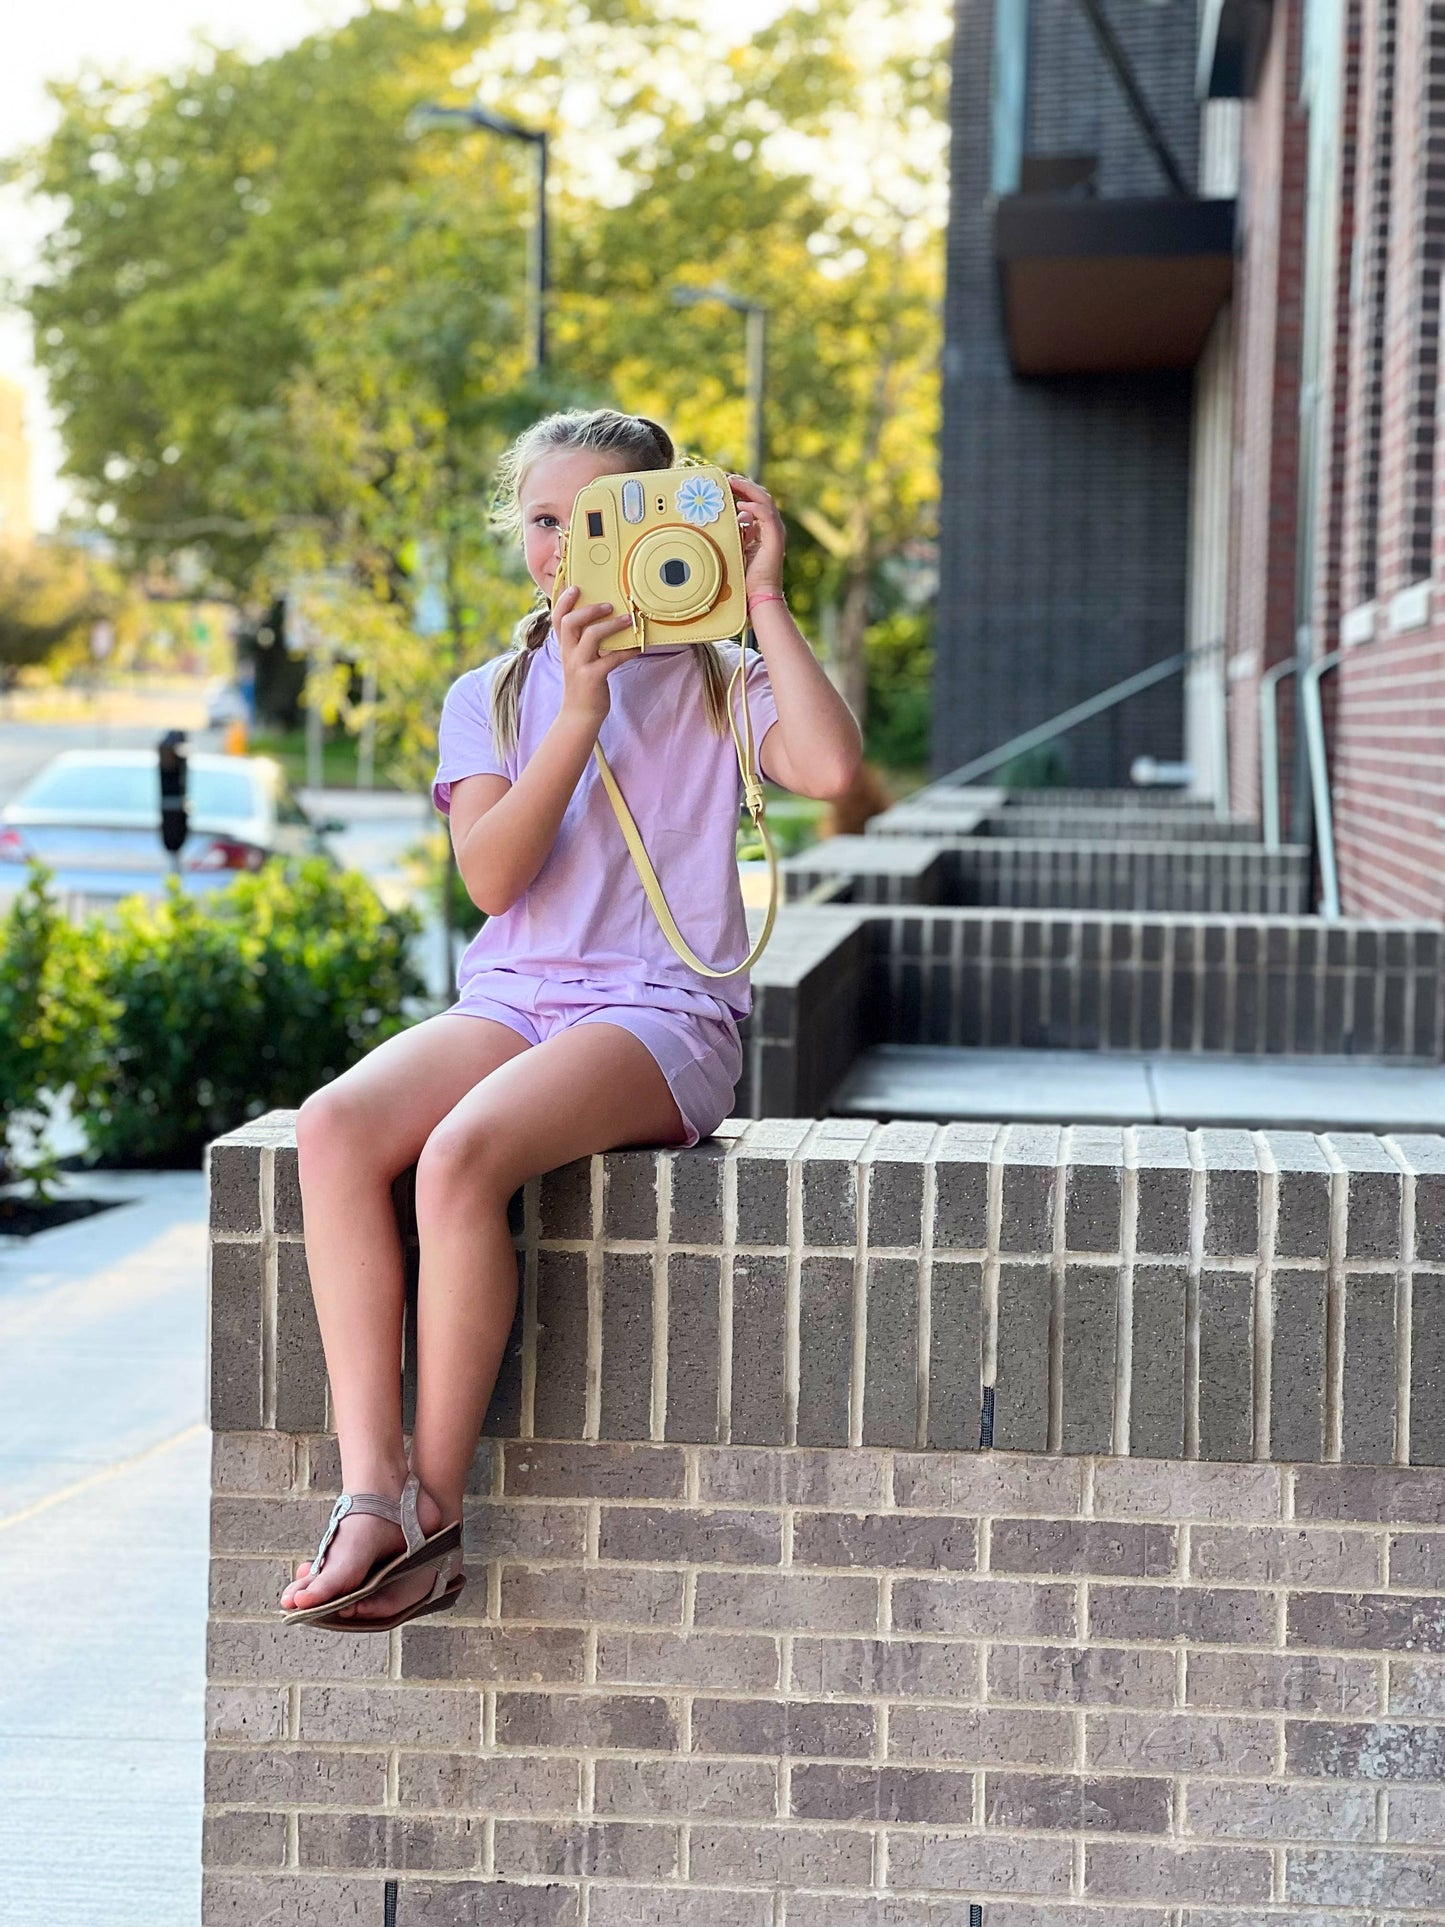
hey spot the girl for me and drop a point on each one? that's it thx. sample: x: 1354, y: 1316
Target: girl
x: 576, y: 1029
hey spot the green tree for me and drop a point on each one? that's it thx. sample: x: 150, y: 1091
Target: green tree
x: 279, y: 328
x: 49, y: 595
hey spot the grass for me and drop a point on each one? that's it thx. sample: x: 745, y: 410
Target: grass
x: 338, y: 758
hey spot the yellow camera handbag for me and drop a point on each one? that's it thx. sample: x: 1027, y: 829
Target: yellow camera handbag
x: 665, y: 546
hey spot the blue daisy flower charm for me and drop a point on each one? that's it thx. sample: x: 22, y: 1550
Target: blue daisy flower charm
x: 700, y: 500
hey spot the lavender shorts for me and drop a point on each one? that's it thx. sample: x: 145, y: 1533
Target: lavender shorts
x: 697, y: 1050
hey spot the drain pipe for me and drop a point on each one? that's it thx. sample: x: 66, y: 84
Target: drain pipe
x: 1312, y: 711
x: 1269, y: 748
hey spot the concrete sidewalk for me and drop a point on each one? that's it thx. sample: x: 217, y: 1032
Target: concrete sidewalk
x: 103, y: 1482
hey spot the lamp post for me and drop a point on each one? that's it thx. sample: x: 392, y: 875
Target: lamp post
x: 424, y: 117
x: 757, y: 348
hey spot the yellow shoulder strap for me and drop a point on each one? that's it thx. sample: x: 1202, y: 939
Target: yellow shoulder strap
x: 753, y: 796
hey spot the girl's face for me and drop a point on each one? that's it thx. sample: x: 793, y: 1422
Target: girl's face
x: 548, y: 490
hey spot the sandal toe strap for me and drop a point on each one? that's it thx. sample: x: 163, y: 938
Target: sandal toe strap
x: 372, y: 1502
x: 398, y: 1512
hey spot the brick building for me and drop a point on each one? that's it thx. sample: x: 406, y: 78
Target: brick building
x: 1089, y: 251
x: 1191, y: 382
x: 1334, y: 532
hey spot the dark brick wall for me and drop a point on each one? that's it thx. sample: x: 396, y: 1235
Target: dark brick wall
x: 750, y: 1641
x: 1064, y: 513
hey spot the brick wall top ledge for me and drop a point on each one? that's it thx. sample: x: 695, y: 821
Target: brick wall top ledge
x: 1210, y: 1295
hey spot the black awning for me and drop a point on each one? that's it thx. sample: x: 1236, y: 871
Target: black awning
x: 1104, y: 287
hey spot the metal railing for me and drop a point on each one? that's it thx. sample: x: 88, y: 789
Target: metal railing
x: 1269, y: 748
x: 1083, y: 712
x: 1312, y: 711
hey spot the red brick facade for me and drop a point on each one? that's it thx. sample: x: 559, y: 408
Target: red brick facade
x: 1377, y: 536
x: 1262, y: 574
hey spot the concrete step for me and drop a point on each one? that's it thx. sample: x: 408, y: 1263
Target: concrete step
x: 945, y: 1083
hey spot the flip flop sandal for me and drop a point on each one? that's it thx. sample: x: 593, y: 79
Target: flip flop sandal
x: 422, y: 1550
x: 446, y: 1590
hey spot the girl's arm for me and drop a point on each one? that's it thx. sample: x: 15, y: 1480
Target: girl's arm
x: 814, y: 748
x: 523, y: 818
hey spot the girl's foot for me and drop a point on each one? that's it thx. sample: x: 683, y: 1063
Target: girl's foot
x: 363, y: 1540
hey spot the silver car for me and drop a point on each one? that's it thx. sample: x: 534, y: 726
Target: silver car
x: 92, y: 817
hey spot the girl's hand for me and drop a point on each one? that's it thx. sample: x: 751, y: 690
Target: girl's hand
x: 581, y: 629
x: 764, y: 537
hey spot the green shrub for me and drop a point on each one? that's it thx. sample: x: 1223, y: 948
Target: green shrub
x: 900, y: 689
x: 228, y: 1005
x: 51, y: 1008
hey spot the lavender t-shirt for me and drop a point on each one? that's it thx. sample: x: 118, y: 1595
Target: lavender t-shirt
x: 585, y: 918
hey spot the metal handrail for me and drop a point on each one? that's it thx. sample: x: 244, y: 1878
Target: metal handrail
x: 1312, y: 711
x: 1269, y: 748
x: 1069, y: 719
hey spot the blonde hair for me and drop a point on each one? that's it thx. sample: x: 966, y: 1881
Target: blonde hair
x: 636, y: 443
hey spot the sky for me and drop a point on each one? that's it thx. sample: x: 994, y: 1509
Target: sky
x: 55, y: 40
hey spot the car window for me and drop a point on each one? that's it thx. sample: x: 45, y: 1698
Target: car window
x: 134, y: 788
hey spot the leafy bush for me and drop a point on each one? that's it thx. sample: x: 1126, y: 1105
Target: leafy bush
x: 51, y: 1005
x: 228, y: 1005
x: 900, y: 689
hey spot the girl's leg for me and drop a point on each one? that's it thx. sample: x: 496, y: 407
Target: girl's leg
x: 587, y: 1089
x: 353, y: 1138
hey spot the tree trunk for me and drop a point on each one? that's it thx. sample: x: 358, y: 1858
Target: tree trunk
x: 852, y: 665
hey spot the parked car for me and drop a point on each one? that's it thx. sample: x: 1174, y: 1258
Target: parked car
x: 92, y: 817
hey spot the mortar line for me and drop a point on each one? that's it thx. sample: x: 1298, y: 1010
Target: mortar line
x: 991, y: 1262
x: 725, y: 1294
x: 1404, y: 1301
x: 657, y: 1416
x: 1264, y: 1291
x: 592, y: 1408
x: 1194, y: 1287
x: 1336, y: 1305
x: 531, y: 1236
x: 925, y: 1291
x: 1124, y: 1329
x: 863, y: 1181
x: 270, y: 1266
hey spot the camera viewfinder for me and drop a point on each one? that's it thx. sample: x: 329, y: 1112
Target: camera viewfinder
x: 594, y: 521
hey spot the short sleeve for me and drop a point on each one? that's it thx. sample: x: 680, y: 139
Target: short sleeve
x: 465, y: 744
x: 762, y: 708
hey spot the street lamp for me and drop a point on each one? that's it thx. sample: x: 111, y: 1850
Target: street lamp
x: 424, y: 117
x: 757, y: 348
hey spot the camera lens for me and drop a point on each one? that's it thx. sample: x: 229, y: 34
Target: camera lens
x: 674, y: 572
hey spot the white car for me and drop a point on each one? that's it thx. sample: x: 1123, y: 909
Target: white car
x: 92, y: 817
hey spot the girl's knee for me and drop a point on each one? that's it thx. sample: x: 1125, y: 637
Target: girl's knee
x: 330, y: 1124
x: 458, y: 1164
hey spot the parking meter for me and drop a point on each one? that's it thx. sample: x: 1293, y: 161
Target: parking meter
x: 172, y: 759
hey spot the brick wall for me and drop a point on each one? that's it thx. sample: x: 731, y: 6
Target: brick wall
x: 839, y: 978
x: 1367, y: 245
x: 1387, y: 725
x: 721, y: 1664
x: 713, y: 1687
x: 1415, y: 258
x: 1242, y: 879
x: 1268, y: 311
x: 1071, y: 981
